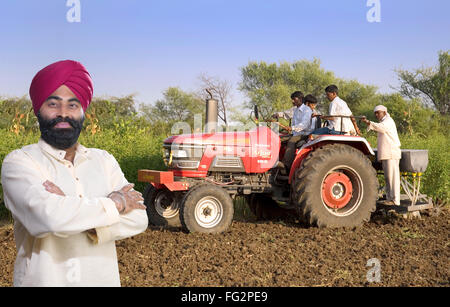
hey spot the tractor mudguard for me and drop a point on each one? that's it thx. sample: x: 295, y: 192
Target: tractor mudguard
x: 357, y: 142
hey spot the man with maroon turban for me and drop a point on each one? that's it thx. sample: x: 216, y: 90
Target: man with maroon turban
x: 69, y: 203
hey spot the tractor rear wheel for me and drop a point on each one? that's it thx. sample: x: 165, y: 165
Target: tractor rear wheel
x: 207, y: 209
x: 162, y: 207
x: 336, y: 187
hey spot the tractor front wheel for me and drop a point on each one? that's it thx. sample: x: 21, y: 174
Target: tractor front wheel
x: 162, y: 207
x: 207, y: 209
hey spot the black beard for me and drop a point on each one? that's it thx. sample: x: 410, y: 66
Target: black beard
x: 60, y: 138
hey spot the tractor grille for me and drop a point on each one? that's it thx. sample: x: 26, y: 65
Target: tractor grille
x: 187, y: 164
x: 225, y: 162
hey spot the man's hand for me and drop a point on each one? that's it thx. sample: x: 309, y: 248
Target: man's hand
x: 365, y: 120
x: 53, y: 188
x: 326, y: 117
x: 131, y: 199
x: 289, y: 129
x: 127, y: 199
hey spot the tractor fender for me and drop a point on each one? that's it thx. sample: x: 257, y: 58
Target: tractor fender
x: 357, y: 142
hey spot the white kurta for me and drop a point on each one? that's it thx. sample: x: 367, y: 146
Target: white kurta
x: 340, y: 107
x: 388, y: 140
x: 389, y: 153
x: 53, y: 248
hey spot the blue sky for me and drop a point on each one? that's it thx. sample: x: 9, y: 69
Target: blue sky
x: 144, y: 47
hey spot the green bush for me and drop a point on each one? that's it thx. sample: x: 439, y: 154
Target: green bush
x: 436, y: 180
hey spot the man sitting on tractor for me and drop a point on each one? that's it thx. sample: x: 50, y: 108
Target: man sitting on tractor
x: 302, y: 126
x: 338, y: 107
x: 297, y: 102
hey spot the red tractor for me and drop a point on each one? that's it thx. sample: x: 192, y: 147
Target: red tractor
x: 331, y: 183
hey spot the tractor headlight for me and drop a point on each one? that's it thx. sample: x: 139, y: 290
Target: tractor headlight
x: 178, y: 153
x: 183, y: 156
x: 166, y: 153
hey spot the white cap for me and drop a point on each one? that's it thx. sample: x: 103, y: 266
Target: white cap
x: 380, y: 108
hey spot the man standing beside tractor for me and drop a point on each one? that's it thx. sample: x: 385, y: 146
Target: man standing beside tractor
x: 389, y: 152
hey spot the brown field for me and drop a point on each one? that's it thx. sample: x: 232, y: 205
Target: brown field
x: 282, y: 254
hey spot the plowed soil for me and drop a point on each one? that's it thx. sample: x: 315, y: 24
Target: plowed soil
x: 412, y: 252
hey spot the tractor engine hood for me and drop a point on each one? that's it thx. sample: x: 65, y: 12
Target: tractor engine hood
x: 254, y: 151
x: 203, y: 139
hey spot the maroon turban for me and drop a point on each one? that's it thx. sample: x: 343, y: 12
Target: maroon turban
x: 69, y: 73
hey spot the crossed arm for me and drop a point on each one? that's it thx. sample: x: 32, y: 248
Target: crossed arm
x: 44, y: 209
x: 131, y: 199
x: 126, y: 200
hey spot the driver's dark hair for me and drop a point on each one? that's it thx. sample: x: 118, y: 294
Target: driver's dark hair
x: 297, y: 94
x: 332, y: 89
x: 311, y: 99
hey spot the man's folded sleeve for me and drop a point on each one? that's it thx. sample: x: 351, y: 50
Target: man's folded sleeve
x: 131, y: 224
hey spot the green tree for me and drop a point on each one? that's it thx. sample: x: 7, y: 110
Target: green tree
x: 270, y: 85
x: 410, y: 116
x: 110, y: 110
x: 176, y: 106
x: 432, y: 85
x: 359, y: 97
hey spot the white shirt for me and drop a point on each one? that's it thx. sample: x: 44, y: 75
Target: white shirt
x: 53, y: 248
x: 314, y: 120
x: 339, y: 107
x: 388, y: 140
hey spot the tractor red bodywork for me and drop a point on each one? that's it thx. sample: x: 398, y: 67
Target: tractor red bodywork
x: 257, y: 152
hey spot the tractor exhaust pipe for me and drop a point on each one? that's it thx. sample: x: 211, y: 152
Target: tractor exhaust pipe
x: 212, y: 114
